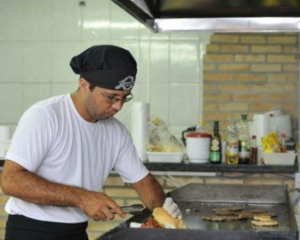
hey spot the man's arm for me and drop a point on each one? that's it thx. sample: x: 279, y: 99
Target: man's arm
x: 23, y: 184
x: 150, y: 192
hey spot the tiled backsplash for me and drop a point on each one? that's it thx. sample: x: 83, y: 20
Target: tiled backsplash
x: 38, y: 39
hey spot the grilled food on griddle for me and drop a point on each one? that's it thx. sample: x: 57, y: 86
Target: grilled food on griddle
x: 225, y: 213
x: 245, y: 214
x: 234, y: 213
x: 230, y: 209
x: 150, y: 223
x: 262, y: 217
x: 258, y: 210
x: 265, y: 223
x: 215, y: 218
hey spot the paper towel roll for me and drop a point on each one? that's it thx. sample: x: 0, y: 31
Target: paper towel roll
x: 261, y: 126
x: 139, y: 127
x: 284, y: 125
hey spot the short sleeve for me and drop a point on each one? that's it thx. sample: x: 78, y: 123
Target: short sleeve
x: 32, y: 138
x: 128, y: 164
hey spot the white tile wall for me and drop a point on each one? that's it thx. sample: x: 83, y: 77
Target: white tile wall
x: 38, y: 39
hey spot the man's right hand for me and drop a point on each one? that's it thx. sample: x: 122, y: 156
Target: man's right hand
x: 98, y: 206
x: 19, y: 182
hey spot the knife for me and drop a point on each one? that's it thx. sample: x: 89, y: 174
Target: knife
x: 133, y: 209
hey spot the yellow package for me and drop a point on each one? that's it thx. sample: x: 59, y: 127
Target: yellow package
x: 270, y: 143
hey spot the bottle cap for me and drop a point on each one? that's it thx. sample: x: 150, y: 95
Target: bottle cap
x: 244, y: 116
x: 201, y: 122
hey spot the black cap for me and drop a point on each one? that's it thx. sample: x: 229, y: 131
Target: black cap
x: 106, y: 66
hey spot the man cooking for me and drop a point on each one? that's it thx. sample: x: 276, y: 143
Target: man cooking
x: 64, y: 149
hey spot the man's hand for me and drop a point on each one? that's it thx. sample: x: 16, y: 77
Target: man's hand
x: 172, y: 208
x: 19, y: 182
x: 98, y: 206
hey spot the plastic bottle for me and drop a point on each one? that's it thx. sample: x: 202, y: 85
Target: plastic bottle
x: 215, y: 155
x: 244, y: 146
x: 232, y: 146
x: 283, y: 147
x: 254, y: 153
x: 200, y: 127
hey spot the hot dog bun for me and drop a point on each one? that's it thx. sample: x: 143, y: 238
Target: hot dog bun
x: 166, y: 221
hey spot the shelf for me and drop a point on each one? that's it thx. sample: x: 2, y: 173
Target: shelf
x: 206, y: 167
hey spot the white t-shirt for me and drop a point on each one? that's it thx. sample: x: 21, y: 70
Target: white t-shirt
x: 55, y: 142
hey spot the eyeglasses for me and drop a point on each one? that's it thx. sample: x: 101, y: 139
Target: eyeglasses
x: 113, y: 100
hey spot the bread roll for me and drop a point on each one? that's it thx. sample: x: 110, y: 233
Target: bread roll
x: 166, y: 221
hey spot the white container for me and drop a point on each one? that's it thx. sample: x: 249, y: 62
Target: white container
x: 167, y: 157
x: 287, y: 159
x: 197, y: 147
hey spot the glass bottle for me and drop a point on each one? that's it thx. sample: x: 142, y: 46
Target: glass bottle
x: 244, y: 148
x: 283, y: 147
x: 254, y: 150
x: 232, y: 146
x: 215, y: 155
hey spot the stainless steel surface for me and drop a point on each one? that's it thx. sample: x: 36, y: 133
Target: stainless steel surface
x: 224, y: 193
x: 196, y: 200
x: 201, y: 199
x: 216, y: 15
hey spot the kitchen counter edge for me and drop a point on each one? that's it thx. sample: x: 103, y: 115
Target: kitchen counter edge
x: 206, y: 167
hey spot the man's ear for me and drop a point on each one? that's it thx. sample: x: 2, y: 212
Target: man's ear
x: 84, y: 84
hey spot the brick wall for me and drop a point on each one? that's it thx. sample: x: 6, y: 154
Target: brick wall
x: 124, y: 194
x: 250, y: 73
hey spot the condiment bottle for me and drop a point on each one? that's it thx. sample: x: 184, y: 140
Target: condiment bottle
x: 215, y: 155
x: 283, y: 147
x: 232, y: 146
x: 244, y: 148
x: 253, y: 150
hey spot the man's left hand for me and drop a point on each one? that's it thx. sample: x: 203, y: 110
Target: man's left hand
x: 172, y: 208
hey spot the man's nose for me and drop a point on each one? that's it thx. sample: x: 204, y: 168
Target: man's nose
x: 118, y: 105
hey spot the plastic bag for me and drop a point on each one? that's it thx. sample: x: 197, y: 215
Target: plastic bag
x: 160, y: 138
x: 270, y: 143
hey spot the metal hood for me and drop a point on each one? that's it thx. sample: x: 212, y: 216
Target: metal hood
x: 216, y: 15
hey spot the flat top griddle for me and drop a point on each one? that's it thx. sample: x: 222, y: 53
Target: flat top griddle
x: 196, y: 211
x: 197, y: 200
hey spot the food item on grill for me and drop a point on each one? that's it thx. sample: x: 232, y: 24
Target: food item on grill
x: 225, y: 213
x: 258, y: 210
x: 234, y: 213
x: 262, y: 217
x: 265, y: 223
x: 236, y: 208
x: 216, y: 218
x: 229, y: 209
x: 150, y: 223
x: 245, y: 214
x: 166, y: 221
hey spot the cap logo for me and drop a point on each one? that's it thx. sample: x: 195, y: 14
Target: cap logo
x: 126, y: 84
